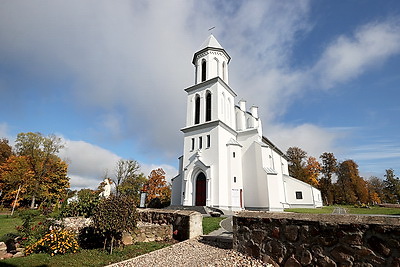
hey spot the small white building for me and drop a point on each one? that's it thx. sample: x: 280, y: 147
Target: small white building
x: 227, y: 163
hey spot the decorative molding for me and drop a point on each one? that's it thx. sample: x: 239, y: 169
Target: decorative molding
x: 209, y: 82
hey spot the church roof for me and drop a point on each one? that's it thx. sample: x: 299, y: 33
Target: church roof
x: 233, y: 142
x: 211, y: 42
x: 265, y: 140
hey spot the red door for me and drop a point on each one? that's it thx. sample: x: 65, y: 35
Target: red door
x: 201, y: 190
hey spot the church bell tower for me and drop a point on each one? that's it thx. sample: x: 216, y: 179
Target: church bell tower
x: 210, y: 126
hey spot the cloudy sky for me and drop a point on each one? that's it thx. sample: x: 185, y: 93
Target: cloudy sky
x: 108, y: 76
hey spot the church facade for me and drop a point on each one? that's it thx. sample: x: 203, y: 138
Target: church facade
x: 227, y: 163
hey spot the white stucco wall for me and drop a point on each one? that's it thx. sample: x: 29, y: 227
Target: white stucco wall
x: 259, y: 168
x: 292, y: 186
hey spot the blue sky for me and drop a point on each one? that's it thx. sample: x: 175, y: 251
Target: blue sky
x: 108, y: 76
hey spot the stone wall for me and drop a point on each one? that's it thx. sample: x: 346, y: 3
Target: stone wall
x: 148, y: 232
x: 185, y: 224
x: 289, y: 239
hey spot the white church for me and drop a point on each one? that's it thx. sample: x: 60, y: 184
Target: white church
x: 227, y: 163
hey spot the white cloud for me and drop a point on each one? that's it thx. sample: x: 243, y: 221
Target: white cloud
x: 89, y: 163
x: 130, y: 61
x: 312, y: 139
x: 4, y: 131
x: 350, y: 56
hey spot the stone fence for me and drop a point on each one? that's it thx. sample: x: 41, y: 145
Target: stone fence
x: 185, y: 224
x: 154, y: 224
x: 289, y: 239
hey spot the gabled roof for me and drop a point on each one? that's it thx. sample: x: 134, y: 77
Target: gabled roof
x: 265, y: 140
x: 233, y: 142
x: 211, y: 42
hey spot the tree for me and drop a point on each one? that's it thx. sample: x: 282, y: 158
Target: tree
x: 352, y: 187
x: 328, y: 169
x: 5, y: 150
x: 378, y: 186
x: 40, y: 152
x: 129, y: 180
x: 15, y: 173
x: 392, y: 186
x: 296, y: 161
x: 84, y: 205
x: 114, y: 215
x: 157, y: 187
x: 312, y: 170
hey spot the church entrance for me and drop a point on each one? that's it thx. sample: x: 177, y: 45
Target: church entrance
x: 201, y: 190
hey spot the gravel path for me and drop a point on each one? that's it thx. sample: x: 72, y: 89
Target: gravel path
x: 191, y: 253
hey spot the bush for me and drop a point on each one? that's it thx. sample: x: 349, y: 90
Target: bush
x: 57, y: 241
x: 33, y: 229
x: 27, y: 217
x: 84, y: 206
x: 113, y: 216
x: 90, y: 239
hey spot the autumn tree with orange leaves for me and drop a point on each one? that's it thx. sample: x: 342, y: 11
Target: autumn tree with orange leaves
x: 312, y: 171
x: 35, y: 169
x: 157, y: 186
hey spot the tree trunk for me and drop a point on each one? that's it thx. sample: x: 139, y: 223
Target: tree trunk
x: 112, y: 243
x: 33, y: 202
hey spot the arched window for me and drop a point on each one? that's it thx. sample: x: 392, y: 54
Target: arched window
x: 203, y: 70
x: 208, y: 106
x: 217, y: 65
x: 195, y: 74
x: 223, y: 70
x: 197, y: 110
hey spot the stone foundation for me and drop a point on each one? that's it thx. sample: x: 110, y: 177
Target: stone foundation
x: 288, y: 239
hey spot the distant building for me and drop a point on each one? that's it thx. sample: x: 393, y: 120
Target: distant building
x: 227, y: 163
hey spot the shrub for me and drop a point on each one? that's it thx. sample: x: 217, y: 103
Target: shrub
x: 57, y: 241
x: 84, y: 206
x: 113, y: 216
x: 89, y: 238
x: 27, y: 217
x: 32, y: 229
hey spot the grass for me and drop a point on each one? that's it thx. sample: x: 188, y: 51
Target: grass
x: 350, y: 210
x: 211, y: 224
x: 8, y: 224
x: 93, y: 257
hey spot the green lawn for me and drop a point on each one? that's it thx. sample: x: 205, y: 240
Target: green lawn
x: 8, y: 224
x: 93, y: 257
x: 350, y: 210
x: 211, y: 224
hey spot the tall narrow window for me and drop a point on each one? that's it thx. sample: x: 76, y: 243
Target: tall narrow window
x: 217, y: 65
x: 223, y: 70
x: 208, y: 141
x: 234, y: 179
x: 200, y: 142
x: 195, y: 74
x: 203, y: 70
x: 192, y: 148
x: 208, y: 106
x: 197, y: 110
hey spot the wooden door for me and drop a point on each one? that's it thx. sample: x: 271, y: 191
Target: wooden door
x: 201, y: 189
